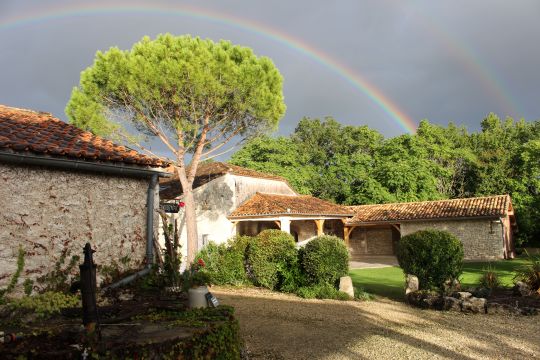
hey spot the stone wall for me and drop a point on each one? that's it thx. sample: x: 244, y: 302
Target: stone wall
x: 50, y: 212
x: 371, y: 241
x: 481, y: 238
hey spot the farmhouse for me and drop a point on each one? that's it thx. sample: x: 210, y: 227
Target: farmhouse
x: 63, y: 187
x: 233, y: 200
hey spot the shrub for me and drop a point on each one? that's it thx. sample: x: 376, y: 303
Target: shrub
x: 225, y: 262
x: 325, y: 259
x: 15, y: 277
x: 530, y: 273
x: 322, y: 291
x: 271, y: 258
x: 490, y: 279
x: 433, y: 256
x: 46, y: 304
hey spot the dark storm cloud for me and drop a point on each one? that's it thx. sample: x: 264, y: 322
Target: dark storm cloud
x: 437, y: 60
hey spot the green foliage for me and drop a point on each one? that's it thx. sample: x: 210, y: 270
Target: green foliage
x: 196, y: 275
x: 490, y: 278
x: 322, y: 291
x: 115, y: 270
x: 433, y: 256
x: 172, y: 258
x: 270, y: 257
x: 46, y: 304
x: 325, y: 259
x: 174, y: 82
x: 225, y: 262
x: 529, y: 273
x: 15, y: 277
x: 59, y: 280
x: 28, y: 286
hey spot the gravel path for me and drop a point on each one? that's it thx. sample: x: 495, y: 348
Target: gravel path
x: 280, y: 326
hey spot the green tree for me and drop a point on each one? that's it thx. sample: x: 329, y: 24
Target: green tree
x: 194, y: 95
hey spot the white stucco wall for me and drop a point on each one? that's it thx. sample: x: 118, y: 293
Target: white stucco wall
x: 215, y: 200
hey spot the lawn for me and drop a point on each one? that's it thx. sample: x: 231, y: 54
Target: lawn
x: 389, y: 281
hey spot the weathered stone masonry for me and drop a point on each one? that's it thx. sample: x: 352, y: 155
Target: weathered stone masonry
x: 481, y: 238
x: 50, y: 212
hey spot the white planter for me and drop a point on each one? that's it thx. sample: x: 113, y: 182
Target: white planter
x: 197, y: 298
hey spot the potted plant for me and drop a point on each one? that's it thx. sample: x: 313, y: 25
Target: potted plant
x: 195, y: 281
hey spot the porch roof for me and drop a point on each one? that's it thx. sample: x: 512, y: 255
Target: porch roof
x: 263, y: 205
x: 488, y: 206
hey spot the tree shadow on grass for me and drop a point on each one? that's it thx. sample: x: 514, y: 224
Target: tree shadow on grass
x: 276, y: 326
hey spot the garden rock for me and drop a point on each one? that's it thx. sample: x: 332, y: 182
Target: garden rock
x: 452, y: 304
x: 411, y: 284
x: 474, y: 305
x: 462, y: 295
x: 346, y: 285
x: 521, y: 289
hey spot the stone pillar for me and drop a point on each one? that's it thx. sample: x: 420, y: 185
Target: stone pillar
x: 320, y: 224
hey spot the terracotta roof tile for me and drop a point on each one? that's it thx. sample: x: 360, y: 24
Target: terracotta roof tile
x: 271, y: 204
x: 206, y: 172
x: 40, y: 133
x: 488, y: 206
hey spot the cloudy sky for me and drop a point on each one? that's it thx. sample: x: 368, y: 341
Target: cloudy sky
x: 383, y: 63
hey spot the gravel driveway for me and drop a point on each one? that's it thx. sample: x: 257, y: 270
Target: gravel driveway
x: 280, y: 326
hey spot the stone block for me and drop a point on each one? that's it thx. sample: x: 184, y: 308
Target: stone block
x: 346, y: 285
x: 411, y: 284
x: 452, y: 304
x: 521, y: 289
x: 462, y: 295
x: 474, y: 305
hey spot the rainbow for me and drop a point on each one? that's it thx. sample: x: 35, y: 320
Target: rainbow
x: 466, y: 55
x: 353, y: 78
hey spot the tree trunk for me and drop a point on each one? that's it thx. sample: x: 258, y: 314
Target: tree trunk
x: 191, y: 225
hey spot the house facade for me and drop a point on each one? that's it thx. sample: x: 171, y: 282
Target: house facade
x: 63, y: 187
x: 236, y: 201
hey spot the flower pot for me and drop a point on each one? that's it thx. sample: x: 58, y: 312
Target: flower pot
x: 197, y: 298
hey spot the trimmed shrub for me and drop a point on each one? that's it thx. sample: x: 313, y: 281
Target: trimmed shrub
x: 433, y: 256
x: 325, y: 260
x: 224, y: 263
x: 271, y: 257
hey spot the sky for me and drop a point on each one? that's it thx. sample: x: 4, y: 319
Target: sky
x: 382, y: 63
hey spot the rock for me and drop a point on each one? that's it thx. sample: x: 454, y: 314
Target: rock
x: 346, y: 285
x: 474, y: 305
x: 481, y: 292
x: 411, y: 284
x: 521, y: 289
x: 496, y: 308
x: 125, y: 295
x: 462, y: 295
x: 452, y: 304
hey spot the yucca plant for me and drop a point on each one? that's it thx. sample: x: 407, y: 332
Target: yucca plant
x: 530, y: 273
x: 490, y: 279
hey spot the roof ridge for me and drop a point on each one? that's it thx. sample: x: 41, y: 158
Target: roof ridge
x: 433, y: 201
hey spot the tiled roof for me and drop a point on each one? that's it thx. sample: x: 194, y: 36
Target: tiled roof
x: 489, y: 206
x: 206, y: 172
x: 40, y: 133
x: 271, y: 204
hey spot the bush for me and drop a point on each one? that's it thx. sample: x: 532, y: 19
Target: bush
x: 46, y: 304
x: 322, y: 291
x: 530, y: 273
x: 271, y: 258
x: 225, y: 262
x: 490, y: 279
x: 431, y: 255
x: 325, y: 260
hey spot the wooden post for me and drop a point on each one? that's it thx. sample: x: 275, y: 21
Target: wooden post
x: 346, y: 232
x: 320, y: 224
x: 278, y: 223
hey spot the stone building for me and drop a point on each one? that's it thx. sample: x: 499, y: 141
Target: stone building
x: 62, y: 187
x: 233, y: 200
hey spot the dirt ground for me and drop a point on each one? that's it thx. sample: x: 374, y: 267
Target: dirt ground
x: 280, y: 326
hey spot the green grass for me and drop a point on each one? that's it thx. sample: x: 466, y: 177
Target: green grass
x: 389, y: 282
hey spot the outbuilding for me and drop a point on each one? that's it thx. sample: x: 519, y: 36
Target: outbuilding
x: 62, y: 187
